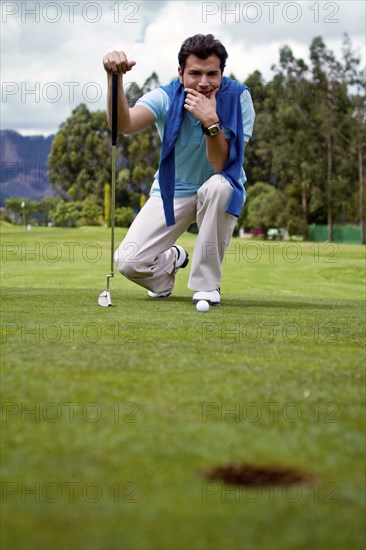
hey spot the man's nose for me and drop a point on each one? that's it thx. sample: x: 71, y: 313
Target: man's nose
x: 204, y: 81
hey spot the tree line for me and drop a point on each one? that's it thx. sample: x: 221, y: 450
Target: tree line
x: 309, y: 141
x: 304, y: 162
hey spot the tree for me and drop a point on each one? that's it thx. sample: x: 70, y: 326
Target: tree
x: 331, y: 106
x: 46, y: 208
x: 14, y: 205
x: 254, y: 162
x: 78, y: 161
x: 356, y: 79
x: 143, y: 153
x: 151, y: 83
x: 265, y: 206
x: 24, y: 209
x: 292, y: 142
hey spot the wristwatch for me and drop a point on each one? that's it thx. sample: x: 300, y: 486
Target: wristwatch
x: 213, y: 129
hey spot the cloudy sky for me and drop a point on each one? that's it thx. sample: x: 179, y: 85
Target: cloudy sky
x: 51, y: 52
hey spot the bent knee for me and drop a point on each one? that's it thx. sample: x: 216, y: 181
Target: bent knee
x: 219, y: 184
x: 126, y: 269
x: 126, y: 258
x: 217, y: 188
x: 131, y: 267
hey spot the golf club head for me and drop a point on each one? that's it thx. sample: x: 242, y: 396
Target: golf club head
x: 104, y: 299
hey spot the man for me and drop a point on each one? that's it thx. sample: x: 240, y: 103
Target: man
x: 204, y: 120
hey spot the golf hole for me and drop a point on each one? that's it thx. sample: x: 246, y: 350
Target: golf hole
x: 250, y: 476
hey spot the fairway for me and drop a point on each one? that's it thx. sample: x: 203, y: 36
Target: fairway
x: 111, y: 416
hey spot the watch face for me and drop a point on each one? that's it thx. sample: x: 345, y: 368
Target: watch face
x: 213, y: 131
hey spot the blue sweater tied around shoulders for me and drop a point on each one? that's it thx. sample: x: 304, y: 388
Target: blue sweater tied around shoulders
x: 229, y: 112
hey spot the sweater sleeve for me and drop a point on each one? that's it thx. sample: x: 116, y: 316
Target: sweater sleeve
x: 248, y: 113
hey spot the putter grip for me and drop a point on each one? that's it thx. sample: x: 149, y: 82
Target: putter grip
x: 114, y: 108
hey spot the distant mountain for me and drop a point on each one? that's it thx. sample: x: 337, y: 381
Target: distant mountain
x: 24, y: 166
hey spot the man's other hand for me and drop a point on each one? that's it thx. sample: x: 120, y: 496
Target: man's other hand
x: 117, y: 62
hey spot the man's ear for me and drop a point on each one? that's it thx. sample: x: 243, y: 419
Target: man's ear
x: 180, y: 75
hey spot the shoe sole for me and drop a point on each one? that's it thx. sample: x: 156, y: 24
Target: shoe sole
x: 195, y: 302
x: 159, y: 297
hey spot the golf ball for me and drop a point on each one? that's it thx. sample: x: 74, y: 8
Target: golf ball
x: 202, y: 306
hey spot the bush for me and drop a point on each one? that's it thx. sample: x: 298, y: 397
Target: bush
x: 91, y: 212
x: 67, y: 214
x: 264, y: 208
x: 124, y: 216
x: 46, y: 208
x: 5, y: 216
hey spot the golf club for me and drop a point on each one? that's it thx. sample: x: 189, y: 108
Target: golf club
x: 104, y: 299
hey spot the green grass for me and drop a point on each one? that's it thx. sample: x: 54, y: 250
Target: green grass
x: 131, y: 403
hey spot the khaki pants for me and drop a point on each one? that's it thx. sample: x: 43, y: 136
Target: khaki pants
x: 145, y: 256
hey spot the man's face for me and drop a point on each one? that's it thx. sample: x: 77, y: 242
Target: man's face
x: 203, y: 75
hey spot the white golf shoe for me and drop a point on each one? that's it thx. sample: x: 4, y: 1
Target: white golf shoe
x: 181, y: 261
x: 182, y: 257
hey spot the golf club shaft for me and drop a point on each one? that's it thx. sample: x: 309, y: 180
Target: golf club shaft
x: 114, y: 155
x: 113, y: 198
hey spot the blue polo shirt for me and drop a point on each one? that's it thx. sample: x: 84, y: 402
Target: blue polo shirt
x: 192, y: 168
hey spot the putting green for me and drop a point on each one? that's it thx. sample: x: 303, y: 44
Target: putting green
x: 111, y: 416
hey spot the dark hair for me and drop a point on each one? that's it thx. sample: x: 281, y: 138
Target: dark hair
x: 202, y: 46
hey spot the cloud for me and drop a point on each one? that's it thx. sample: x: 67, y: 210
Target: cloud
x: 258, y: 22
x: 57, y: 52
